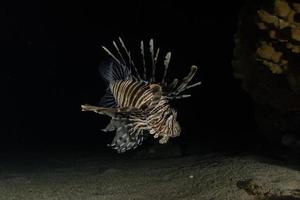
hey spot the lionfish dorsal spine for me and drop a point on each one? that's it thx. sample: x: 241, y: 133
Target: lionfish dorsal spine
x: 124, y: 47
x: 151, y: 48
x: 172, y: 90
x: 143, y: 61
x: 138, y: 77
x: 119, y: 53
x: 166, y: 64
x: 156, y: 56
x: 111, y: 54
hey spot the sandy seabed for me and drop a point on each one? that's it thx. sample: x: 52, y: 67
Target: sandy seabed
x: 206, y: 177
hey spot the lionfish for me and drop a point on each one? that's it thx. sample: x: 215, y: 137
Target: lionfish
x: 138, y: 104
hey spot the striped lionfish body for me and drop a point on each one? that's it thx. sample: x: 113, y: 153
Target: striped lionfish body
x: 139, y: 105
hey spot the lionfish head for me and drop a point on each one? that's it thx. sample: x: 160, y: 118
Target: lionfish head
x: 169, y: 127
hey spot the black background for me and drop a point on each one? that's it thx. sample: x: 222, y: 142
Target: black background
x: 50, y: 67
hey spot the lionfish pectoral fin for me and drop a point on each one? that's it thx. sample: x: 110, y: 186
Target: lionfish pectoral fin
x: 163, y: 138
x: 120, y: 119
x: 175, y: 90
x: 99, y: 110
x: 129, y: 124
x: 127, y: 137
x: 111, y: 126
x: 186, y: 80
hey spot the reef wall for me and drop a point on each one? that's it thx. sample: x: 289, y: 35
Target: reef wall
x: 267, y: 61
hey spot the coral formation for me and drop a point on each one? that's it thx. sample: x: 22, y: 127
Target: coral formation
x: 271, y: 58
x: 281, y: 29
x: 267, y: 61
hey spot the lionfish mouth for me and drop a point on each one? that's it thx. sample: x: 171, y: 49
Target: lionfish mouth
x: 136, y: 101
